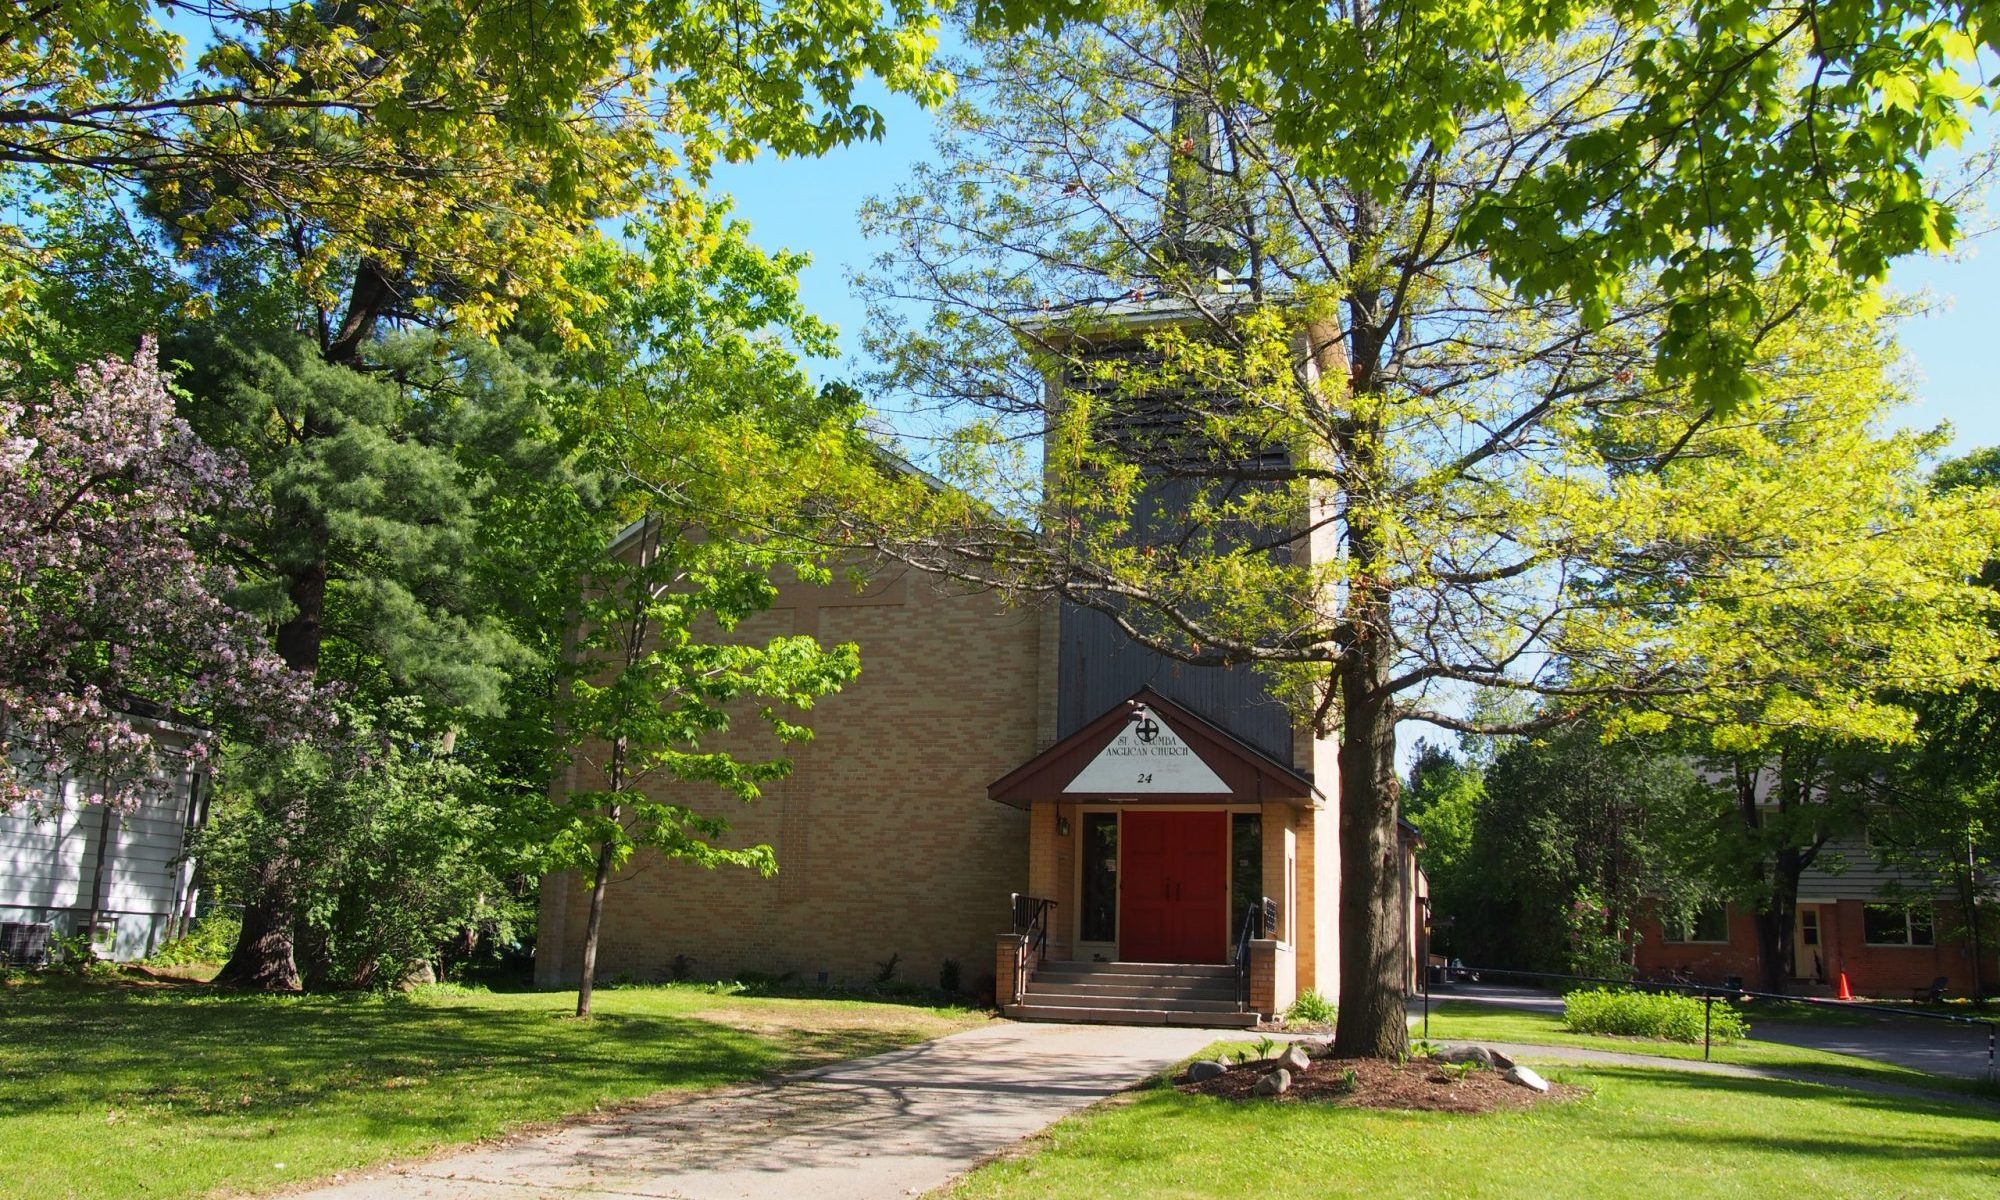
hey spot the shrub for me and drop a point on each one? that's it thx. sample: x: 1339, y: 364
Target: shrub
x: 1311, y: 1008
x: 73, y: 953
x: 1662, y: 1015
x: 395, y: 853
x: 210, y: 941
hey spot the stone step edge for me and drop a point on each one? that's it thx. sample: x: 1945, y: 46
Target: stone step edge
x: 1131, y: 1003
x: 1183, y: 970
x: 1122, y: 1016
x: 1166, y: 991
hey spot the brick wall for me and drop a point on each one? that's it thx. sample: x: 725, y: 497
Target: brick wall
x: 1007, y: 966
x: 1273, y: 976
x: 885, y: 840
x: 1709, y: 962
x: 1893, y: 972
x: 1051, y: 870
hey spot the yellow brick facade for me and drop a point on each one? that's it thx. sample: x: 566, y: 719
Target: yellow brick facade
x: 885, y: 840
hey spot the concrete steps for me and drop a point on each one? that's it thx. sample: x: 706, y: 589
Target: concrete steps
x: 1136, y: 1016
x: 1133, y: 994
x: 1168, y: 996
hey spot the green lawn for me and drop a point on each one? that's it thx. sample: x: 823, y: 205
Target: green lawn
x: 1460, y: 1020
x: 1639, y: 1133
x: 121, y: 1091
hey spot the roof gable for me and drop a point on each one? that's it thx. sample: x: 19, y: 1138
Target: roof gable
x: 1147, y: 748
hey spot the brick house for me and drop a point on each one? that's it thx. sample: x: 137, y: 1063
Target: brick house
x: 1864, y: 919
x: 1022, y: 799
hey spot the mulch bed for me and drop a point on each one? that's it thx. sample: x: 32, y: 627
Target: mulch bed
x: 1418, y: 1084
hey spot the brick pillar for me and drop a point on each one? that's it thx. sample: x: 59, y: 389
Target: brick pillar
x: 1006, y: 967
x: 1273, y: 976
x: 1049, y: 869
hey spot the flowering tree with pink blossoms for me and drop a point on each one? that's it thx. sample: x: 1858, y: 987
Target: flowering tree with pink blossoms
x: 112, y: 627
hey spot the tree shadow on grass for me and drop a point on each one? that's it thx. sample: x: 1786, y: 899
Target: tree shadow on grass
x: 376, y: 1064
x: 1944, y: 1133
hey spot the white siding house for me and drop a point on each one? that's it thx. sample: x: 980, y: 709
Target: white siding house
x: 70, y: 857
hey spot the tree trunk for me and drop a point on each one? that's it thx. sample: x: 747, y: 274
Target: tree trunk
x: 298, y: 639
x: 1968, y: 900
x: 584, y: 985
x: 1776, y: 922
x: 97, y: 882
x: 371, y: 294
x: 262, y: 959
x: 1373, y: 1021
x: 264, y: 956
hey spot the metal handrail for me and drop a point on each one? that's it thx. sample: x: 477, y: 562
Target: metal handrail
x: 1031, y: 925
x: 1258, y: 920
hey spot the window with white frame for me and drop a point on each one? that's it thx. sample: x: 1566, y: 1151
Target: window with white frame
x: 1897, y: 925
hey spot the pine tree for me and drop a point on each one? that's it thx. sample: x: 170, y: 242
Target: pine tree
x: 383, y: 485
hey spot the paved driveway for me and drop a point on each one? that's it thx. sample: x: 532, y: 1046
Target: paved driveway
x: 1940, y: 1047
x: 897, y: 1124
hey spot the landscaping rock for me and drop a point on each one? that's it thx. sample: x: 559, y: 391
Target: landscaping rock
x: 1527, y: 1079
x: 1500, y: 1061
x: 1277, y: 1083
x: 1205, y: 1069
x: 1465, y: 1054
x: 1294, y: 1058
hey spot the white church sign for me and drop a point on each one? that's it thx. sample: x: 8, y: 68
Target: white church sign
x: 1147, y: 758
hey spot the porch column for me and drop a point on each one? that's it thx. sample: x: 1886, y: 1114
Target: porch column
x: 1050, y: 864
x: 1006, y: 968
x: 1273, y: 976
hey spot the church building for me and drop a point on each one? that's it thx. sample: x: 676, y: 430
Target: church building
x: 1019, y: 799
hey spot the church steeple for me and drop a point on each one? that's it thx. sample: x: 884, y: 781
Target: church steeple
x: 1192, y: 204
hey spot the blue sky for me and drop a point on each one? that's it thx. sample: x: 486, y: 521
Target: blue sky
x: 810, y: 205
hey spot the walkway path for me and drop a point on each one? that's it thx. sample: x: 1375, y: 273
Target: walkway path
x: 897, y: 1124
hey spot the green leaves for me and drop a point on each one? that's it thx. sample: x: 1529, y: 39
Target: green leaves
x: 1797, y: 563
x: 462, y: 148
x: 1722, y: 138
x: 659, y: 686
x: 696, y: 407
x: 1539, y: 490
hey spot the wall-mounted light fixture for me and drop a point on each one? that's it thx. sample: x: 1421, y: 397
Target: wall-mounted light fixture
x: 1062, y: 823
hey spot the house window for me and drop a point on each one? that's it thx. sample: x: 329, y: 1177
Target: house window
x: 1100, y: 877
x: 1246, y: 867
x: 1709, y: 923
x: 1896, y: 925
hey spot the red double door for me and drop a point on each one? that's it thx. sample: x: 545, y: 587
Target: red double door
x: 1173, y: 898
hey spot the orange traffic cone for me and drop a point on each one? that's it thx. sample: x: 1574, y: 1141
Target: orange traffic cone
x: 1845, y: 992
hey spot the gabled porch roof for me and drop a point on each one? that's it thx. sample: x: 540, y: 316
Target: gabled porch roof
x: 1178, y: 757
